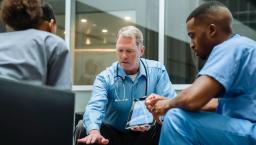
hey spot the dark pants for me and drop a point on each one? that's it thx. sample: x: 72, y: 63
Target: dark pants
x: 116, y: 137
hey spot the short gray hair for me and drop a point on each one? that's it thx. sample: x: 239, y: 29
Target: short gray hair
x: 132, y: 31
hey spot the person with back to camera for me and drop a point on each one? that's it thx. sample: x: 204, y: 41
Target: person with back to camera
x: 29, y: 52
x: 48, y: 21
x: 114, y: 90
x: 229, y: 74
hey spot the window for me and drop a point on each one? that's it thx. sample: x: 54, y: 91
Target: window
x: 179, y: 59
x: 59, y: 9
x: 96, y: 22
x: 96, y: 25
x: 2, y: 27
x: 244, y: 13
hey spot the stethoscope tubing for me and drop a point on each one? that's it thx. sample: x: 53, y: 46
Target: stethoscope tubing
x: 146, y: 89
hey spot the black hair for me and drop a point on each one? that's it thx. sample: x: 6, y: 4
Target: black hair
x: 204, y: 9
x: 48, y: 12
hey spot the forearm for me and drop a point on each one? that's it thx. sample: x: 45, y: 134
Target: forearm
x: 91, y: 122
x: 95, y: 109
x: 198, y: 95
x: 211, y: 106
x: 186, y: 100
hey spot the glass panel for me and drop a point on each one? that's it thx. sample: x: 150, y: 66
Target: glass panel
x: 180, y: 60
x: 59, y: 9
x: 244, y: 13
x: 2, y: 27
x: 97, y: 23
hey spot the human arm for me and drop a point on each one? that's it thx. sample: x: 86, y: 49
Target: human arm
x: 216, y: 78
x: 95, y: 111
x: 211, y: 106
x: 193, y: 98
x: 59, y: 64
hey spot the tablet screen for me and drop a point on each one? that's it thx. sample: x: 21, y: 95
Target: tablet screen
x: 139, y: 115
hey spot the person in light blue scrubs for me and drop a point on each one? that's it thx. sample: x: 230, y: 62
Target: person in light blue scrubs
x: 114, y: 90
x: 226, y: 84
x: 30, y: 51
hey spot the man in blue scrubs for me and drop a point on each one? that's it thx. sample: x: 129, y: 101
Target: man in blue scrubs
x: 229, y: 74
x: 114, y: 90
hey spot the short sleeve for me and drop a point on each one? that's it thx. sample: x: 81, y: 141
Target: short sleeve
x: 222, y: 65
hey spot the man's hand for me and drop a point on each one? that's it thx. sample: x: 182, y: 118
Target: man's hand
x: 161, y: 106
x: 151, y: 101
x: 157, y: 105
x: 94, y: 137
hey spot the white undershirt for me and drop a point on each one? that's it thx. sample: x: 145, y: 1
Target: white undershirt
x: 133, y: 77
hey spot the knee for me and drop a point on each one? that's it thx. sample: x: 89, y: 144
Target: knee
x: 177, y: 128
x: 175, y: 113
x: 177, y: 118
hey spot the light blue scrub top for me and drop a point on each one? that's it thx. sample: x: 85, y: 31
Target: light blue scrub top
x: 112, y: 95
x: 36, y: 57
x: 233, y: 64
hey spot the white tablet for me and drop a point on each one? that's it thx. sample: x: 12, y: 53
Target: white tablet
x: 139, y: 115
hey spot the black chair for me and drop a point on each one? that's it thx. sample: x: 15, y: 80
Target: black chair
x: 35, y: 115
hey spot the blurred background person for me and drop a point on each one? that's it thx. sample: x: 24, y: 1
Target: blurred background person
x: 29, y: 52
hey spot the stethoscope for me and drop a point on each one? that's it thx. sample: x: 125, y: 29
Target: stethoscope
x: 118, y: 99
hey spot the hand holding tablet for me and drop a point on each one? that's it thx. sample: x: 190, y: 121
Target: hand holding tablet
x: 139, y: 117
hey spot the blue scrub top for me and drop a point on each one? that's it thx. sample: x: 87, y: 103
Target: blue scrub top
x: 113, y: 93
x: 36, y: 57
x: 233, y: 64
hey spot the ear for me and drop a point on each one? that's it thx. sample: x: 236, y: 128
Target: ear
x: 142, y: 49
x: 212, y: 29
x: 52, y: 26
